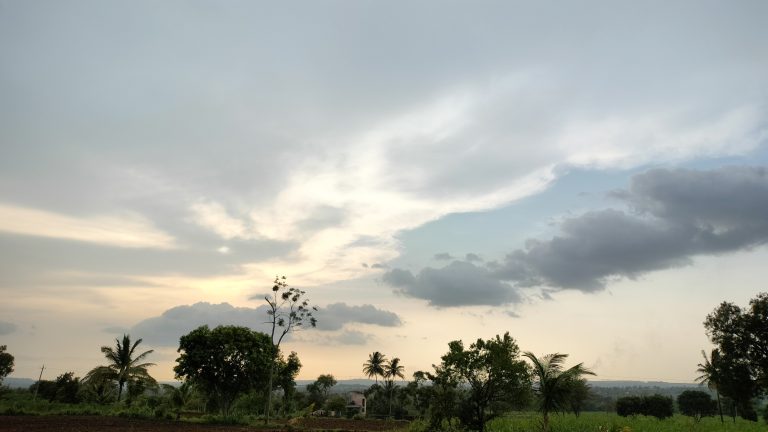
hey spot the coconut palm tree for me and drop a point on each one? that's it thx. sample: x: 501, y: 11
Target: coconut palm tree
x: 551, y: 381
x: 123, y: 365
x: 710, y: 375
x: 392, y: 369
x: 374, y: 367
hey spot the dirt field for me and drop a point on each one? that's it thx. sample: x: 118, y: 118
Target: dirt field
x: 117, y: 424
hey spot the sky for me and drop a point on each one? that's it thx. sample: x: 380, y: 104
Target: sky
x: 591, y: 176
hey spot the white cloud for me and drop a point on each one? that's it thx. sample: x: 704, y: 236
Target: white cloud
x: 124, y: 230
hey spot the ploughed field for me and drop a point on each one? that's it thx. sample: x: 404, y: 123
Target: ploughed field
x: 120, y: 424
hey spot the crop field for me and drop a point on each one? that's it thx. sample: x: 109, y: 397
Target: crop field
x: 604, y: 422
x: 97, y: 423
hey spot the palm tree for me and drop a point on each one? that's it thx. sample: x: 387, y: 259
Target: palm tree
x: 552, y: 381
x: 375, y: 365
x: 392, y: 369
x: 123, y: 366
x: 710, y: 375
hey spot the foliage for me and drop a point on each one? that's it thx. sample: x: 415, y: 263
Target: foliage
x: 741, y: 337
x: 64, y: 389
x: 492, y: 374
x: 287, y: 370
x: 224, y: 362
x: 319, y: 389
x: 288, y: 311
x: 124, y: 366
x: 6, y: 363
x: 657, y: 406
x: 178, y: 398
x: 696, y: 404
x: 608, y: 422
x: 335, y: 403
x: 711, y: 376
x: 374, y: 366
x: 552, y: 382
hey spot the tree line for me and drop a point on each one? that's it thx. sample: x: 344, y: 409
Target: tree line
x: 231, y: 369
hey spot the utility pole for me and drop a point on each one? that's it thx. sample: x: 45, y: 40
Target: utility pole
x: 40, y: 378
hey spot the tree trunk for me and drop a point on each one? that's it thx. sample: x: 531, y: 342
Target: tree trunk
x: 269, y: 393
x: 719, y: 406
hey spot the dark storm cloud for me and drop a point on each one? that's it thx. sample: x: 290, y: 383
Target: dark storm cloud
x: 7, y: 328
x: 457, y: 284
x: 677, y: 214
x: 166, y: 329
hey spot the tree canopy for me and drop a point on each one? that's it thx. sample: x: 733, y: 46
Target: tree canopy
x: 741, y: 338
x: 6, y: 363
x: 124, y: 365
x: 490, y: 369
x: 225, y: 362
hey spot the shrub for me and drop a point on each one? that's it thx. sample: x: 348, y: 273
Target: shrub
x: 696, y: 404
x: 657, y: 406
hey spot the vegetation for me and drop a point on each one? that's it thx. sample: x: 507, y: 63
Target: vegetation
x: 657, y: 406
x: 124, y: 366
x: 374, y: 367
x: 609, y: 422
x: 696, y: 404
x: 6, y: 363
x: 739, y: 371
x: 478, y: 382
x: 225, y: 362
x: 228, y: 374
x: 554, y: 386
x: 288, y: 311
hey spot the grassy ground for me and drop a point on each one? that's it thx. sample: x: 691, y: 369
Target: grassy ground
x: 604, y: 422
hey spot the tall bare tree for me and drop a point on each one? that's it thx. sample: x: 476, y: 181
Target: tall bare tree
x: 288, y: 311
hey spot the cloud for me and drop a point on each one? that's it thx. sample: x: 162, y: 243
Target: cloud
x: 116, y: 330
x: 471, y: 257
x: 678, y: 214
x: 444, y: 256
x: 337, y: 315
x: 7, y: 328
x: 457, y: 284
x: 674, y: 215
x: 130, y: 231
x: 166, y: 329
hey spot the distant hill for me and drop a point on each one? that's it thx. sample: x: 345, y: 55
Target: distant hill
x: 18, y: 382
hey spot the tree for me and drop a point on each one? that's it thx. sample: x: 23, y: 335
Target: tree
x: 711, y: 376
x: 696, y: 404
x: 288, y: 311
x: 741, y: 338
x: 179, y: 397
x: 552, y: 381
x: 374, y: 366
x: 577, y: 393
x: 392, y: 369
x: 225, y: 362
x: 6, y: 363
x: 124, y: 366
x: 492, y: 371
x: 287, y: 371
x: 656, y: 405
x: 324, y: 383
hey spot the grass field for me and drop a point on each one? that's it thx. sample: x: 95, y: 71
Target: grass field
x: 604, y: 422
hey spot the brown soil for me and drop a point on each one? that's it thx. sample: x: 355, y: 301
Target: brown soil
x: 118, y: 424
